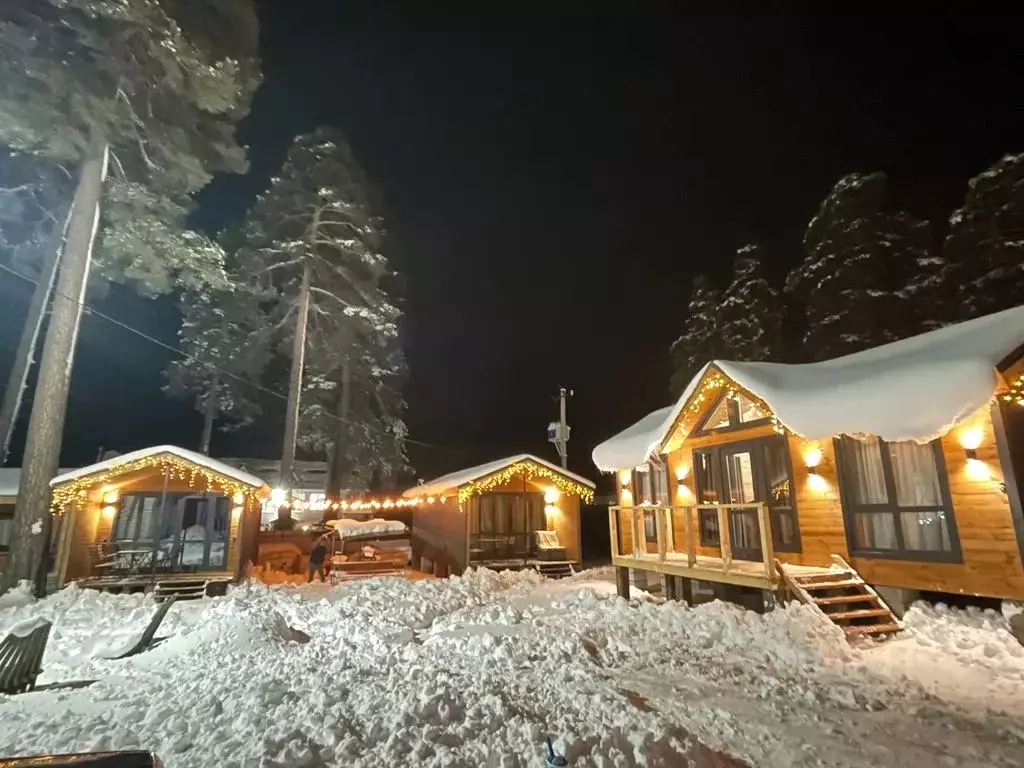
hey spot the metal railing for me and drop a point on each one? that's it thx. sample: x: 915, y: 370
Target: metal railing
x: 744, y: 533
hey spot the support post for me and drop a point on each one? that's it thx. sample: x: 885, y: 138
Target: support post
x: 724, y: 539
x: 691, y: 550
x: 685, y: 590
x: 659, y: 526
x: 764, y: 525
x: 622, y: 581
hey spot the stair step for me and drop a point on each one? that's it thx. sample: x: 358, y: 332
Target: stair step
x: 871, y: 629
x: 833, y: 584
x: 818, y: 577
x: 860, y: 597
x: 862, y: 614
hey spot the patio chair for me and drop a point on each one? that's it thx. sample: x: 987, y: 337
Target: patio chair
x: 147, y: 641
x: 548, y: 546
x: 21, y: 658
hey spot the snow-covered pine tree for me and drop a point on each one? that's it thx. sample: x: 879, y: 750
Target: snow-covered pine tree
x: 225, y: 342
x: 91, y: 83
x: 860, y: 255
x: 701, y: 341
x: 984, y: 250
x: 313, y: 239
x: 750, y: 316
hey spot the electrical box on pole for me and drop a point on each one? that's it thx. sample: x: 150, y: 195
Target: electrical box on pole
x: 558, y: 431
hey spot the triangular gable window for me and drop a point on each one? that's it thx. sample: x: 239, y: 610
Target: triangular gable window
x: 731, y: 413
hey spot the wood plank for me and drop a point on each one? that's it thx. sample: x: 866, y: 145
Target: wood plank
x: 871, y: 629
x: 858, y: 614
x: 724, y: 537
x: 831, y: 584
x: 860, y: 597
x: 767, y: 544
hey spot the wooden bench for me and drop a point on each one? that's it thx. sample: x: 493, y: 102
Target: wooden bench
x: 147, y: 641
x: 21, y: 658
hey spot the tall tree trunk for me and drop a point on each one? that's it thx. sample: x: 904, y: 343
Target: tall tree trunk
x: 209, y: 415
x: 30, y: 535
x: 291, y: 419
x: 17, y: 381
x: 339, y: 457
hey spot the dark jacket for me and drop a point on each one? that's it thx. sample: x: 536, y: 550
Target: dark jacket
x: 316, y: 556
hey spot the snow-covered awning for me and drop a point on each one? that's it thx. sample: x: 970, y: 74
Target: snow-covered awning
x: 915, y: 389
x: 450, y: 482
x: 134, y: 457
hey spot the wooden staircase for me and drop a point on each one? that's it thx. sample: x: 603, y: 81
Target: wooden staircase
x: 554, y: 569
x: 187, y: 589
x: 841, y: 596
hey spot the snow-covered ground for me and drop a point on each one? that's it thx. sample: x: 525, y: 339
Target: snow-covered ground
x: 475, y: 671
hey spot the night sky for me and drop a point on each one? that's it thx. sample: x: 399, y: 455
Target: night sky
x: 551, y: 184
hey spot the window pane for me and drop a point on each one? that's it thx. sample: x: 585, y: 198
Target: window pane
x: 650, y: 526
x: 659, y: 484
x: 874, y: 530
x: 707, y: 478
x: 780, y: 491
x: 719, y: 417
x: 863, y: 460
x: 749, y: 410
x: 5, y: 532
x: 739, y: 475
x: 926, y: 531
x: 784, y: 527
x: 219, y: 534
x: 709, y: 527
x: 915, y: 475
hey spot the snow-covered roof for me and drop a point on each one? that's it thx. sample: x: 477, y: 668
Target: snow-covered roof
x: 448, y: 482
x: 915, y: 389
x: 10, y: 480
x: 191, y: 456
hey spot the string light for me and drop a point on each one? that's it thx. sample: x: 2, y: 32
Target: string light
x: 530, y: 470
x: 176, y: 469
x: 1016, y: 392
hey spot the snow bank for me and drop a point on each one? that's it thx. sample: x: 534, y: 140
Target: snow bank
x: 475, y: 671
x: 347, y: 527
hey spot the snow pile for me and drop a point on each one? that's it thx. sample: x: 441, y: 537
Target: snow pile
x: 475, y: 671
x: 348, y: 528
x: 23, y: 594
x: 969, y: 655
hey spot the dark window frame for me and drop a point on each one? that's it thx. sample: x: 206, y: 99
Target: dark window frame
x: 757, y: 448
x: 851, y: 509
x: 7, y: 513
x: 734, y: 418
x: 639, y: 481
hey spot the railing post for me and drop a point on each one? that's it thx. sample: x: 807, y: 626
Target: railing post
x: 613, y: 530
x: 659, y: 527
x: 636, y: 520
x: 767, y: 543
x: 691, y: 550
x: 724, y: 537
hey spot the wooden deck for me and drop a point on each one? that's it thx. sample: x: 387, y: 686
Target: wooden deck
x: 685, y: 558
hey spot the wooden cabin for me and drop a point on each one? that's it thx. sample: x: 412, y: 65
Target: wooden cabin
x: 516, y: 512
x: 9, y: 480
x: 899, y: 465
x: 156, y: 517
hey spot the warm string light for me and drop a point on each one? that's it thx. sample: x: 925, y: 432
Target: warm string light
x: 1015, y: 394
x: 176, y: 468
x: 530, y: 470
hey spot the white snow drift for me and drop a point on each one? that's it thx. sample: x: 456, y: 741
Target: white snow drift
x: 475, y: 671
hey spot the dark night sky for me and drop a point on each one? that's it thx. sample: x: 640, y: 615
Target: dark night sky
x: 552, y: 182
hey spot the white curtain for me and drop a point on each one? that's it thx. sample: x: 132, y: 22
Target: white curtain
x: 925, y: 531
x: 865, y: 462
x: 740, y: 476
x: 915, y: 475
x: 875, y: 530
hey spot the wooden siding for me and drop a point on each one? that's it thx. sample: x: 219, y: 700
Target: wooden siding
x: 991, y: 551
x: 444, y: 528
x: 566, y: 523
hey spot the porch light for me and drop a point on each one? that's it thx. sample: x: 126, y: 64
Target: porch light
x: 110, y: 497
x: 430, y: 499
x: 236, y: 512
x: 682, y: 472
x: 551, y: 510
x: 812, y: 456
x: 976, y: 468
x: 551, y: 495
x: 624, y: 478
x: 278, y: 495
x: 238, y: 499
x: 815, y: 481
x: 109, y: 511
x: 971, y: 438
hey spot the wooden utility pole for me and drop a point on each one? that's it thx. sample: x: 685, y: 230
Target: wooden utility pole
x: 30, y: 535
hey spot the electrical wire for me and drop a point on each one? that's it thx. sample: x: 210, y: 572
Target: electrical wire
x: 92, y: 311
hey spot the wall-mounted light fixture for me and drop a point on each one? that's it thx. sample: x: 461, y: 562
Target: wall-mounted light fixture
x: 110, y: 496
x: 551, y: 495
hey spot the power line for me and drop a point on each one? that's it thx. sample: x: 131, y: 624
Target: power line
x: 174, y: 350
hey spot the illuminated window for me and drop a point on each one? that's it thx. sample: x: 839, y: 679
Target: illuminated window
x: 732, y: 412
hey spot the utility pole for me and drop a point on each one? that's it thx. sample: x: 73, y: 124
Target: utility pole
x: 558, y: 431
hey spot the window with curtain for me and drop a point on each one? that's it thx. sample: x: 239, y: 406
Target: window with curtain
x: 896, y: 500
x: 6, y: 520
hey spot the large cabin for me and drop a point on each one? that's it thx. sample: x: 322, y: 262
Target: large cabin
x: 516, y: 512
x: 157, y: 516
x: 900, y: 463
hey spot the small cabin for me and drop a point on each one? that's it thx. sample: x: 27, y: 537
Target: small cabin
x: 516, y: 512
x: 160, y: 514
x: 901, y: 462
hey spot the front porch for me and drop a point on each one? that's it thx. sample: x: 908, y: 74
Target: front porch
x: 720, y: 543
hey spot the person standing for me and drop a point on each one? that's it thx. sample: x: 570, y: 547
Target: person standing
x: 316, y: 561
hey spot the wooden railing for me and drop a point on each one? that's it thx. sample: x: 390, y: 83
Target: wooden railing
x: 744, y: 533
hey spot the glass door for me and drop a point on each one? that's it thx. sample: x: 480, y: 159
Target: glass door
x: 741, y: 485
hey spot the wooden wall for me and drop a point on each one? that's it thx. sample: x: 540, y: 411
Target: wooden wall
x: 991, y: 551
x: 444, y: 528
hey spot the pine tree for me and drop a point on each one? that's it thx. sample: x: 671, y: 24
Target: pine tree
x: 984, y: 250
x: 750, y: 316
x: 860, y: 256
x: 224, y: 340
x: 314, y: 241
x: 92, y: 84
x: 701, y: 342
